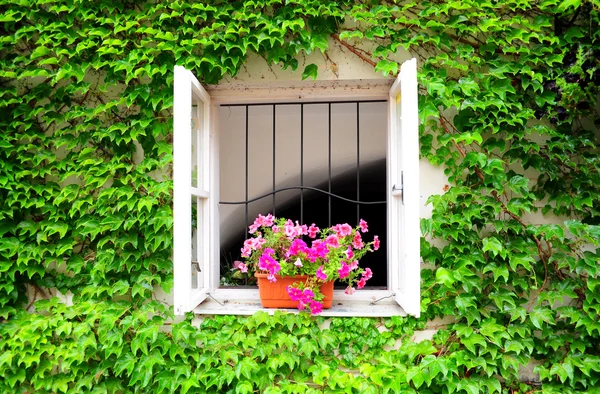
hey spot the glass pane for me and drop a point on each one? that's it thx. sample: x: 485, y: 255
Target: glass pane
x: 197, y: 142
x: 194, y: 263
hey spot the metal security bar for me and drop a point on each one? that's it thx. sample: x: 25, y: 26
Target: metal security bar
x: 302, y: 187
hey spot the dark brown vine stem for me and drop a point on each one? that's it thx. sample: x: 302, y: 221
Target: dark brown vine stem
x: 544, y: 255
x: 354, y: 50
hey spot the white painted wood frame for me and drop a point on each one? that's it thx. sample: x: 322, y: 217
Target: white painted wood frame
x: 191, y: 186
x: 404, y: 260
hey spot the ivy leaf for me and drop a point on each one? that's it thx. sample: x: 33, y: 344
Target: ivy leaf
x: 311, y: 70
x: 541, y: 315
x: 566, y: 4
x: 492, y: 244
x: 444, y: 276
x: 386, y: 67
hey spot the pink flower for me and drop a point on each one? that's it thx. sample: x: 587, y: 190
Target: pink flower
x: 313, y: 230
x: 317, y: 251
x: 301, y: 230
x: 349, y: 253
x: 320, y: 274
x: 357, y: 242
x: 341, y: 230
x: 315, y: 307
x: 349, y: 290
x: 275, y: 229
x: 344, y: 271
x: 363, y: 226
x: 243, y: 267
x: 361, y: 283
x: 246, y: 251
x: 376, y: 242
x: 353, y: 265
x: 267, y: 263
x: 368, y: 274
x: 272, y: 278
x: 298, y: 262
x: 308, y: 294
x: 289, y: 229
x: 333, y: 241
x: 297, y: 246
x: 261, y: 220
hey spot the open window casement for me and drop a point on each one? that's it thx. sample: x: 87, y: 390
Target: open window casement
x: 191, y: 192
x: 403, y: 190
x: 195, y: 211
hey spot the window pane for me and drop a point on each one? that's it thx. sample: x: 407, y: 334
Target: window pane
x: 197, y: 142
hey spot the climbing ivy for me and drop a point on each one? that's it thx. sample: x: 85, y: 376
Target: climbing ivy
x: 508, y: 107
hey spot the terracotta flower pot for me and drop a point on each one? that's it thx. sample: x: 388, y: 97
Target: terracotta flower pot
x: 274, y: 294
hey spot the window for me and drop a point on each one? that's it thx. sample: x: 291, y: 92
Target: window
x: 196, y: 203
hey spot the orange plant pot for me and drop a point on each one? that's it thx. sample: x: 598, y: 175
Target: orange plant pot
x: 275, y: 295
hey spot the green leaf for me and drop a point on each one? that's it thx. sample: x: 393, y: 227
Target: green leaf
x: 493, y: 245
x: 541, y: 315
x: 444, y: 276
x: 386, y: 67
x: 311, y: 70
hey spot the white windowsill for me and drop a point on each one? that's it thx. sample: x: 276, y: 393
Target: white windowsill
x: 246, y: 302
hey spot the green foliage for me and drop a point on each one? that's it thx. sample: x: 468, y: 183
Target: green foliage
x: 508, y: 108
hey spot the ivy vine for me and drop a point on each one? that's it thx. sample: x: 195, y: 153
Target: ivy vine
x: 508, y: 107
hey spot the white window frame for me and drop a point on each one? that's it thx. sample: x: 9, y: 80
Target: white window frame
x: 404, y: 261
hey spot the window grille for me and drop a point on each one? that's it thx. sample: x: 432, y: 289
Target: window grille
x: 337, y: 191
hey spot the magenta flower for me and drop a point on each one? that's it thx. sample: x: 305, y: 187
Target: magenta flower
x: 349, y: 253
x: 368, y: 274
x: 376, y: 242
x: 297, y: 246
x: 320, y: 274
x: 243, y: 267
x: 318, y: 250
x: 344, y: 271
x: 315, y: 307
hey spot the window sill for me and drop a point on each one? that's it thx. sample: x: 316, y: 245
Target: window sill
x: 246, y: 302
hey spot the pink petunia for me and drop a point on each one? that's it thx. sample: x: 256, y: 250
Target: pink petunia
x: 357, y: 242
x: 315, y: 307
x: 313, y: 230
x: 297, y: 246
x: 361, y: 283
x: 349, y: 253
x: 320, y: 274
x: 333, y: 241
x: 363, y: 226
x: 344, y: 271
x: 350, y: 290
x: 368, y: 274
x: 243, y: 267
x: 376, y: 242
x: 341, y: 230
x: 289, y: 229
